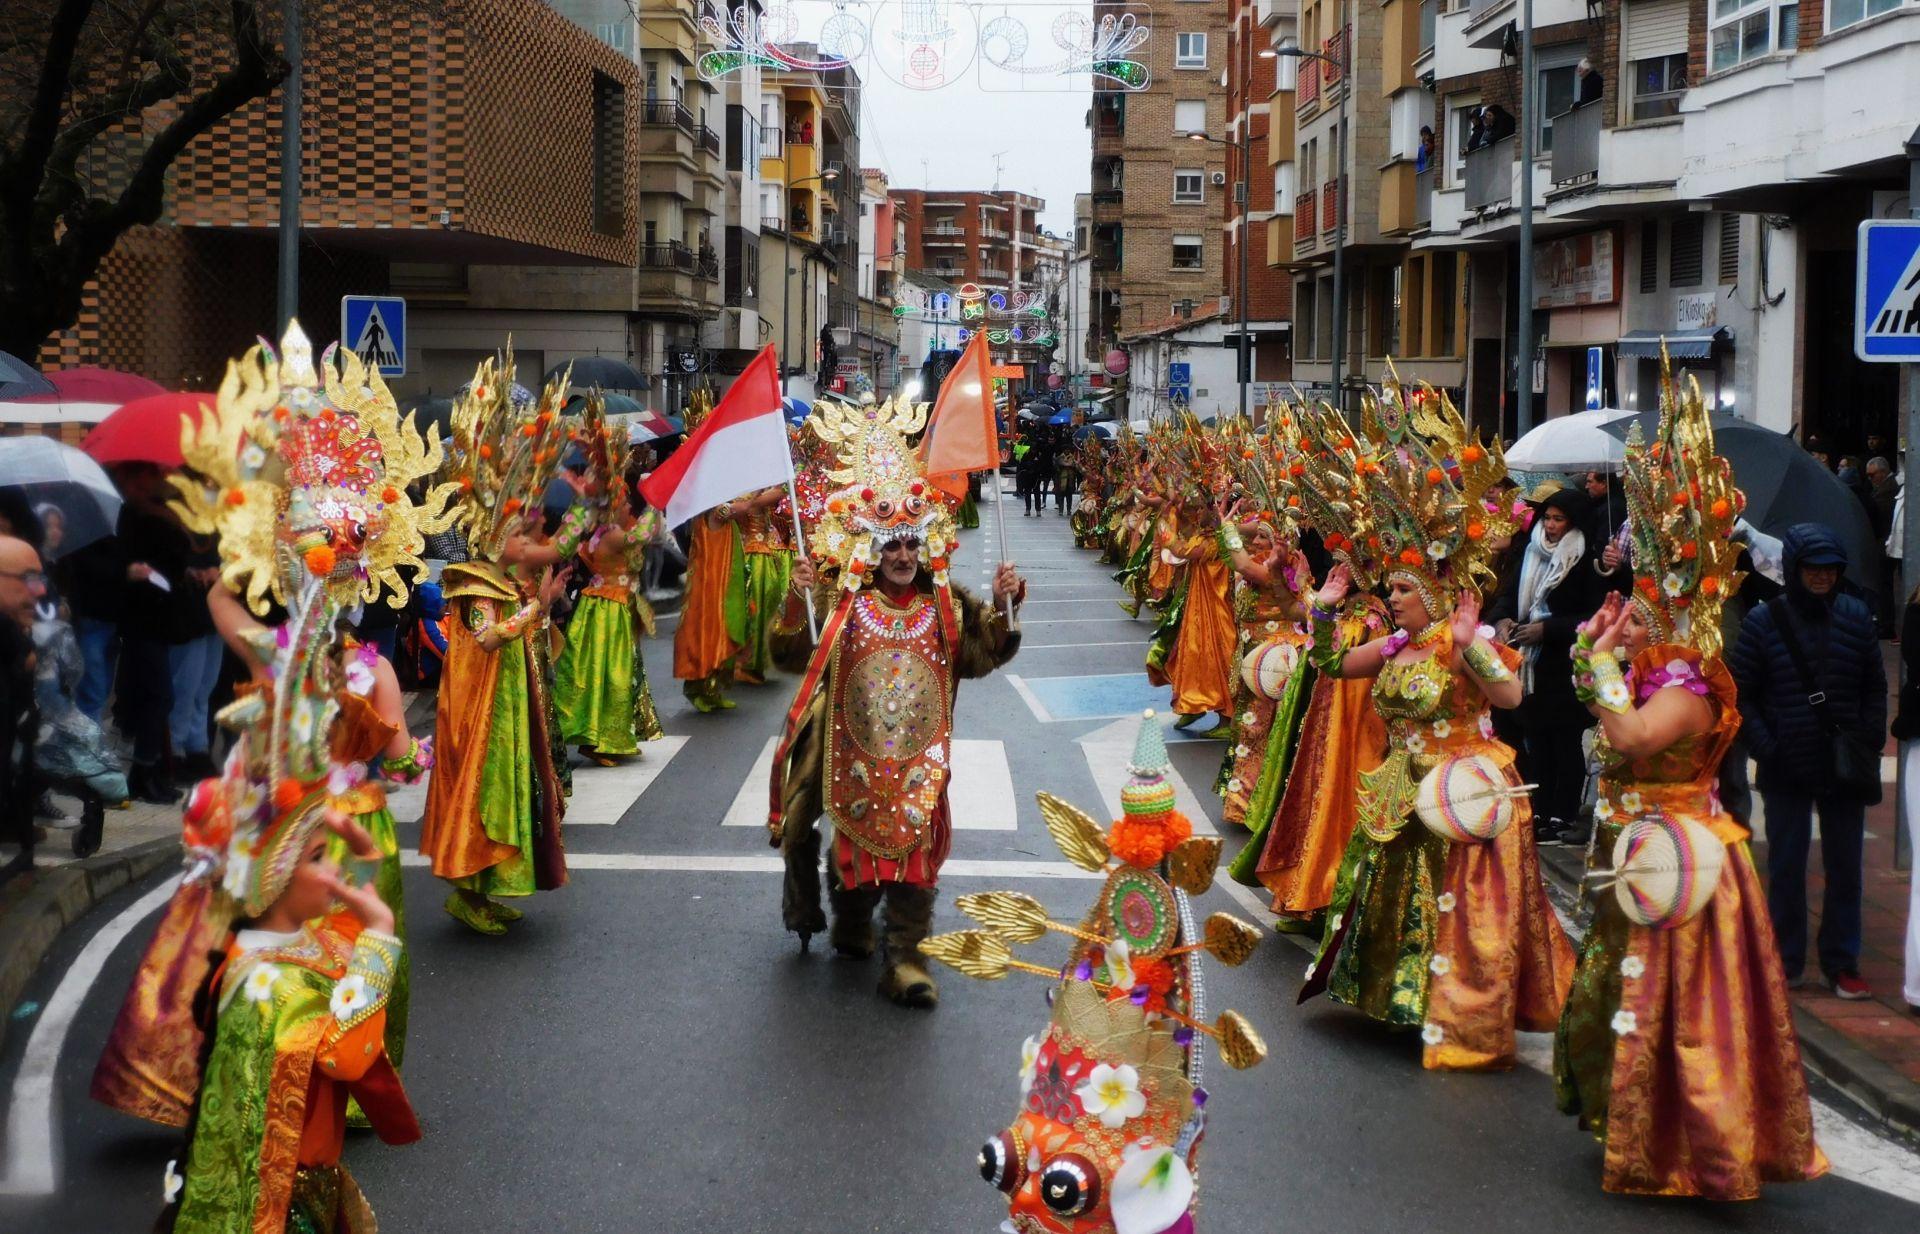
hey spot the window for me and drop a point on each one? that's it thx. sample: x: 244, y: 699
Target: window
x: 1384, y: 326
x: 1283, y: 187
x: 1407, y: 112
x: 1303, y: 334
x: 1189, y: 185
x: 1658, y: 84
x: 1558, y: 89
x: 1190, y: 50
x: 1743, y: 30
x: 1684, y: 253
x: 1843, y: 13
x: 1729, y: 249
x: 1187, y: 253
x: 1444, y: 272
x: 1649, y: 258
x: 615, y: 34
x: 1459, y: 128
x: 1189, y: 116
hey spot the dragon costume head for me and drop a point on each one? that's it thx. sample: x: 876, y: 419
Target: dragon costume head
x: 879, y: 492
x: 1106, y: 1137
x: 304, y: 473
x: 506, y: 448
x: 1681, y: 509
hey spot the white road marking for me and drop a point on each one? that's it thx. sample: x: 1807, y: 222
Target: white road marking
x: 1131, y: 642
x: 981, y: 797
x: 1109, y: 750
x: 1031, y: 699
x: 33, y: 1141
x: 733, y: 863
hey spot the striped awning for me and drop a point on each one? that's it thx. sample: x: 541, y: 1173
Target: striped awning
x: 1681, y: 344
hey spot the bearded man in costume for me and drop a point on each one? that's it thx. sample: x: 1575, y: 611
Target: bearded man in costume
x: 868, y: 740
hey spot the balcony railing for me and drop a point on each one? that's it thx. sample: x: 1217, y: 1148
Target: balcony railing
x: 1303, y: 215
x: 1478, y: 8
x: 944, y: 229
x: 1429, y: 17
x: 1335, y: 49
x: 996, y: 233
x: 1423, y: 196
x: 1306, y: 90
x: 1490, y: 174
x: 671, y: 256
x: 709, y: 141
x: 772, y: 222
x: 707, y: 264
x: 1330, y: 203
x: 1576, y: 143
x: 664, y: 113
x: 773, y: 141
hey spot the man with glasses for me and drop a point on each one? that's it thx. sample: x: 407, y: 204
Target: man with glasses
x: 21, y: 586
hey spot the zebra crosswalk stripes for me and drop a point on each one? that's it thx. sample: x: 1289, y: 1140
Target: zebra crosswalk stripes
x: 981, y: 798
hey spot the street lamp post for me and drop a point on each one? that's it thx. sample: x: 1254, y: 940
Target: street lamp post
x: 1343, y: 65
x: 786, y: 286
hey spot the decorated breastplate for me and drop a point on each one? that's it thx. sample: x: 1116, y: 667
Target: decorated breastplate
x: 891, y: 683
x: 1430, y: 715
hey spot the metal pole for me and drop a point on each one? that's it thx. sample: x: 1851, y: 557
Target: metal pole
x: 786, y: 249
x: 290, y: 92
x: 1523, y: 404
x: 1244, y: 189
x: 1340, y: 227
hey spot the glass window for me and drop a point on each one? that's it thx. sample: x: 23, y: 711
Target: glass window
x: 1286, y: 69
x: 1189, y: 184
x: 1190, y: 50
x: 1658, y: 84
x: 1843, y: 13
x: 1459, y: 129
x: 1743, y: 30
x: 1283, y: 185
x: 1188, y: 253
x: 1190, y: 116
x: 1558, y: 89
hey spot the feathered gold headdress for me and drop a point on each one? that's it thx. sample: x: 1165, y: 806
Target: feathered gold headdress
x: 1323, y: 482
x: 880, y: 490
x: 504, y: 453
x: 303, y: 473
x: 1681, y: 508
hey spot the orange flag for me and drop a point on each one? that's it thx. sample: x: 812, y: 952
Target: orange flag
x: 961, y: 434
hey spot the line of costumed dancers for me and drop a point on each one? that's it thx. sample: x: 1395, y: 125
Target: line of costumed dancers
x: 1386, y: 816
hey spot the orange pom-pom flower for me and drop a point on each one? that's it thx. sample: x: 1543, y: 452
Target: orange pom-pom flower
x: 320, y: 560
x: 1145, y: 840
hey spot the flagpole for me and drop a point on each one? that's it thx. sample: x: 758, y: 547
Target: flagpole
x: 800, y: 547
x: 1000, y: 522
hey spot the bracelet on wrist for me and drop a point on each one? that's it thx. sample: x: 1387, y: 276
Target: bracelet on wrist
x: 1485, y: 663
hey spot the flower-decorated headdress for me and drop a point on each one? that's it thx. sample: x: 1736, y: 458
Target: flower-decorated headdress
x: 1112, y: 1108
x: 606, y: 448
x: 880, y: 491
x: 1324, y: 483
x: 1681, y: 508
x: 1425, y: 493
x: 504, y: 453
x: 304, y: 473
x: 247, y: 826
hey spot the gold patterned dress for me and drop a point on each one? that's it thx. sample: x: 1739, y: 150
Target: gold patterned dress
x: 1456, y: 939
x: 1677, y: 1047
x: 1257, y: 754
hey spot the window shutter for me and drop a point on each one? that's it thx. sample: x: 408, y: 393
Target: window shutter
x: 1729, y: 248
x: 1656, y: 28
x: 1684, y: 259
x: 1649, y: 258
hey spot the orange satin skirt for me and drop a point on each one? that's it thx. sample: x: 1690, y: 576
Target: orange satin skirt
x: 702, y: 646
x: 1202, y: 663
x: 1341, y: 736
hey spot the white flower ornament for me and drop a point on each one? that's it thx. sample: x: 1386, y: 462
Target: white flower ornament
x: 1431, y: 1034
x: 1446, y: 902
x: 1625, y: 1022
x: 1029, y: 1063
x: 1113, y: 1094
x: 174, y: 1183
x: 1152, y: 1189
x: 1443, y: 729
x: 1119, y: 965
x: 1440, y: 965
x: 260, y: 983
x: 1633, y: 966
x: 350, y: 996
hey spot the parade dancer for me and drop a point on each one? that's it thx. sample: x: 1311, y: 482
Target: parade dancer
x: 713, y: 621
x: 1274, y: 678
x: 868, y: 739
x: 765, y: 540
x: 1112, y: 1112
x: 301, y: 475
x: 496, y: 800
x: 600, y: 693
x: 1677, y: 1048
x: 1444, y: 926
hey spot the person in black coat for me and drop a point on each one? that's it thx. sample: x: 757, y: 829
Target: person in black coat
x: 21, y: 586
x: 1793, y: 748
x: 1539, y: 611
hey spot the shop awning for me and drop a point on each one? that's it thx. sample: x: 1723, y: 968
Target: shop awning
x: 1681, y: 344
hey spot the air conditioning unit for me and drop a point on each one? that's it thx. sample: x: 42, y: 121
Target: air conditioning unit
x: 1219, y: 178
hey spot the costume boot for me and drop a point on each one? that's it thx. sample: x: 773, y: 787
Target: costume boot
x: 852, y: 932
x: 909, y: 919
x: 800, y: 889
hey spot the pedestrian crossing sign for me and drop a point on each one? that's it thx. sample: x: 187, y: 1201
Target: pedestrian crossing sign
x: 1886, y: 315
x: 375, y: 329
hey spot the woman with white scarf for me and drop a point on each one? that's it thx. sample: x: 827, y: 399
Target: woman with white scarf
x: 1539, y: 613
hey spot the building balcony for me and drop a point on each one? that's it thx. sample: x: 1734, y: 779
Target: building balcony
x: 1423, y: 196
x: 773, y: 141
x: 1335, y: 49
x: 1108, y: 206
x: 1330, y: 205
x: 670, y: 256
x: 1280, y: 232
x: 1638, y: 165
x: 1399, y: 198
x: 1490, y: 174
x: 1576, y: 143
x: 1306, y: 90
x: 1305, y: 216
x: 666, y: 113
x: 1109, y: 138
x: 996, y: 233
x: 709, y: 142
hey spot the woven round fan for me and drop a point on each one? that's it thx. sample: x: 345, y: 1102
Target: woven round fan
x: 1268, y: 667
x: 1666, y: 869
x: 1467, y: 799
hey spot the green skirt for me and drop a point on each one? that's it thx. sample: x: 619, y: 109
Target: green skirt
x: 594, y: 686
x: 1386, y: 898
x: 768, y: 576
x: 1166, y: 631
x: 1583, y: 1043
x: 969, y: 513
x: 1283, y: 738
x: 507, y: 790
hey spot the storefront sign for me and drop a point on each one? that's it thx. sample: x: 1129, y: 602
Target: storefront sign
x: 1700, y: 311
x: 1574, y: 270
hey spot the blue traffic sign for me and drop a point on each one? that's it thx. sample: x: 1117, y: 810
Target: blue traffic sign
x: 1596, y: 387
x: 1180, y: 373
x: 375, y: 328
x: 1886, y: 311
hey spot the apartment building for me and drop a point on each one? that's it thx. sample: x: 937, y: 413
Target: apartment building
x: 871, y: 349
x: 1705, y: 190
x: 1253, y: 131
x: 1157, y: 250
x: 483, y: 163
x: 984, y: 237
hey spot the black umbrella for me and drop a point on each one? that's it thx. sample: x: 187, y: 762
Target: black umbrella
x: 603, y: 371
x: 434, y: 411
x: 18, y: 379
x: 1784, y: 486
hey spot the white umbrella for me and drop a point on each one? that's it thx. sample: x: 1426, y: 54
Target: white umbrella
x: 48, y: 472
x: 1578, y: 442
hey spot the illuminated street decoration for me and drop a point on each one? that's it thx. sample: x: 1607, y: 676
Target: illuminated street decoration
x: 748, y: 39
x: 1097, y: 51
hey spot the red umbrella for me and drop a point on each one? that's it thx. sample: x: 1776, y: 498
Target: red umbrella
x: 102, y: 385
x: 147, y: 430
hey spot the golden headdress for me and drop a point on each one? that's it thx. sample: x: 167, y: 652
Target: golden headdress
x: 1426, y: 491
x: 1681, y: 508
x: 880, y: 491
x: 505, y: 450
x: 1107, y: 1136
x: 1323, y: 484
x: 305, y: 473
x: 606, y: 448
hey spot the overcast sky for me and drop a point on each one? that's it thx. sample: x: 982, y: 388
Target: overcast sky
x: 1035, y: 122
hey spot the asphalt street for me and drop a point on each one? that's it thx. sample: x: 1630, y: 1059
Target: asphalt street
x: 649, y: 1051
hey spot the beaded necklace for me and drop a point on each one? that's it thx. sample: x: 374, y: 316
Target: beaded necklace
x: 882, y: 620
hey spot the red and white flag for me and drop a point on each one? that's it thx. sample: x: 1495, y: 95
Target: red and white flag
x: 740, y: 447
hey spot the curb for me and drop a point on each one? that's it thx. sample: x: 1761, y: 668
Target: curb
x: 1878, y: 1089
x: 59, y: 897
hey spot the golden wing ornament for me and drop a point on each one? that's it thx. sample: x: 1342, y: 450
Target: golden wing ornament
x: 1079, y: 837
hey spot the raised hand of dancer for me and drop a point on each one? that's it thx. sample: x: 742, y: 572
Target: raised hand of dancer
x: 1466, y: 620
x: 1339, y: 583
x: 1607, y: 628
x: 359, y: 896
x: 1008, y: 585
x: 553, y: 585
x: 804, y: 575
